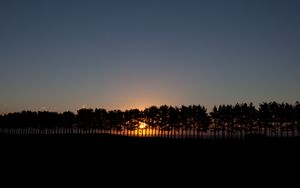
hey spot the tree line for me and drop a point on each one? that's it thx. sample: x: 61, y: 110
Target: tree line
x: 223, y: 119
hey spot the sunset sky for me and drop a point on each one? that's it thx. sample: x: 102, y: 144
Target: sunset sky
x: 60, y: 55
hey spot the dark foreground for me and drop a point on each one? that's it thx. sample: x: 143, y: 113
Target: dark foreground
x: 122, y: 148
x: 106, y: 153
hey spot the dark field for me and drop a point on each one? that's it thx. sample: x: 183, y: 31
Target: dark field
x: 146, y: 154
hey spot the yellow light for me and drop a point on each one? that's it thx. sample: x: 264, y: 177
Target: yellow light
x: 142, y: 125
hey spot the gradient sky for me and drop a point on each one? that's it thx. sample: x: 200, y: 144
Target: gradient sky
x: 62, y: 55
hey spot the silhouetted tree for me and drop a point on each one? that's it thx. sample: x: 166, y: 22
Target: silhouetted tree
x: 48, y: 120
x: 297, y: 117
x: 101, y: 117
x: 86, y: 118
x: 270, y: 118
x: 68, y: 119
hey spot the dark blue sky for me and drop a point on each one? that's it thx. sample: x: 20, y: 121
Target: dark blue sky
x: 66, y: 54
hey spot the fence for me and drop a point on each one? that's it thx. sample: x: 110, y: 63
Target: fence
x: 182, y: 133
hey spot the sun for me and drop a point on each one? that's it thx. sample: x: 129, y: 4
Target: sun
x: 142, y: 125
